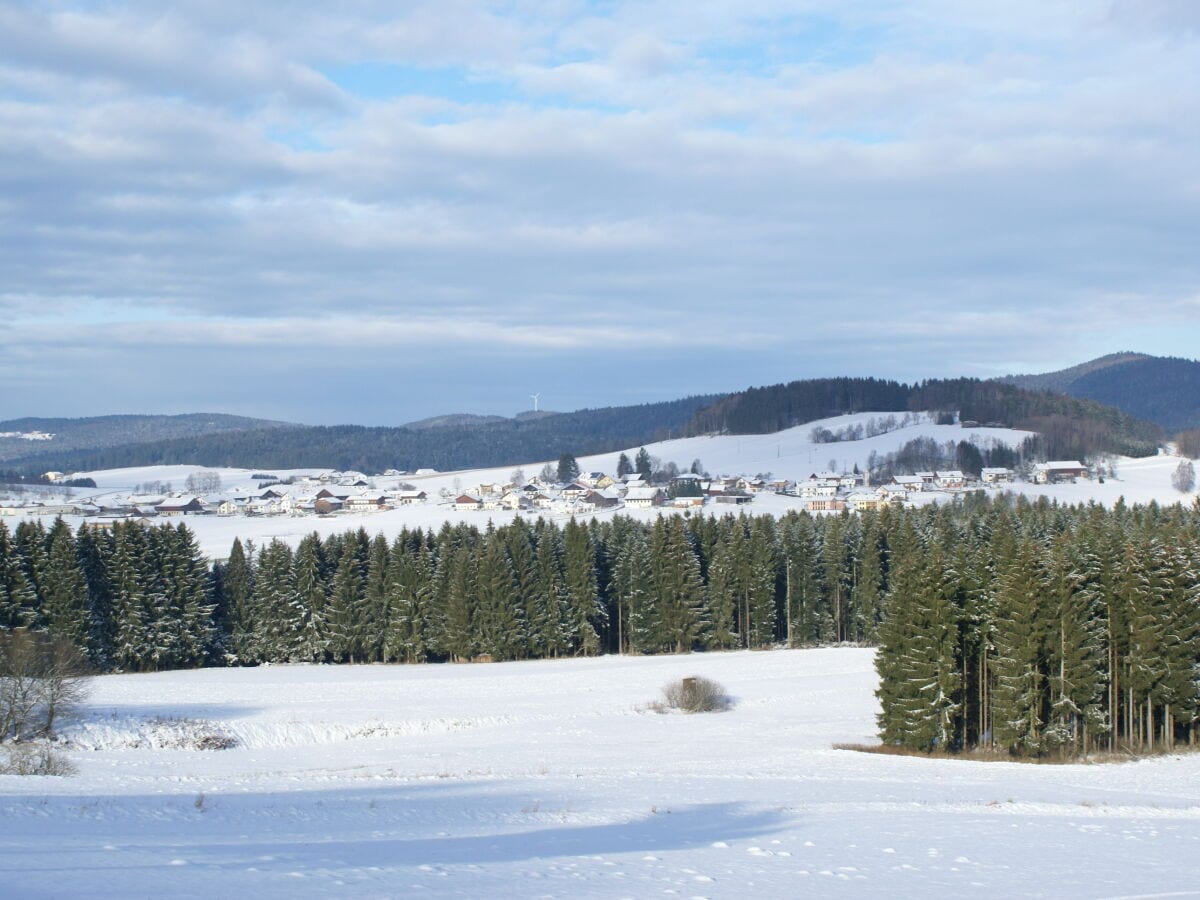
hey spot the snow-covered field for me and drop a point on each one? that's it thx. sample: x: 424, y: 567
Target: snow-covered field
x: 787, y: 454
x: 551, y: 779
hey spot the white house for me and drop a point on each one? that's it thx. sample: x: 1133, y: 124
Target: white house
x: 644, y: 497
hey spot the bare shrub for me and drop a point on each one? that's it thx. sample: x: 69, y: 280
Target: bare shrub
x: 42, y: 679
x: 695, y: 694
x: 34, y: 759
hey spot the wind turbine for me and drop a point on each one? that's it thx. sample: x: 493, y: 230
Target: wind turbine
x: 535, y: 401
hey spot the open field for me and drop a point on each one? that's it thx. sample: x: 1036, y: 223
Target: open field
x: 553, y: 779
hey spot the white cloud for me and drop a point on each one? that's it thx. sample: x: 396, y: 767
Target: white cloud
x: 654, y: 175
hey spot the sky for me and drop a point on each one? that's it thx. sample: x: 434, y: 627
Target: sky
x: 371, y: 212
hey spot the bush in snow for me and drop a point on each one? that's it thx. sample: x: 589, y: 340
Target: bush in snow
x: 695, y: 694
x: 33, y: 759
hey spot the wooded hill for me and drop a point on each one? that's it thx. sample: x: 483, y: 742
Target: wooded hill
x: 359, y: 448
x: 1164, y: 390
x: 1069, y: 427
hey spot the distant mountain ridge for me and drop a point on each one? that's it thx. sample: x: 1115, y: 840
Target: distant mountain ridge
x: 468, y: 444
x: 1160, y: 389
x: 98, y: 432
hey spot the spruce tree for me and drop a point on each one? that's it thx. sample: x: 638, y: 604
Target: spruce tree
x: 65, y: 595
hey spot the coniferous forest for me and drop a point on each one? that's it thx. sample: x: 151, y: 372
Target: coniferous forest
x: 1026, y: 627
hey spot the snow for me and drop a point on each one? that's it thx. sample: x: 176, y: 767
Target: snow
x: 554, y: 778
x: 786, y: 454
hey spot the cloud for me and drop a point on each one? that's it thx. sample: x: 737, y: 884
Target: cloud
x: 924, y: 179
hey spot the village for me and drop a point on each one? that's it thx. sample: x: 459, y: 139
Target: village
x: 332, y: 493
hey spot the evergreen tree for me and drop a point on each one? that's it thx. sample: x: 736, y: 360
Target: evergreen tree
x: 680, y: 611
x: 65, y: 595
x: 642, y: 464
x: 624, y: 466
x: 585, y: 611
x: 347, y: 602
x: 237, y: 587
x: 1019, y: 696
x: 310, y: 642
x: 568, y: 468
x: 18, y: 602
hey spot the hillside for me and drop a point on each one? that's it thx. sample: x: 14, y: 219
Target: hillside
x: 99, y: 432
x: 1069, y: 427
x: 1164, y: 390
x: 449, y: 446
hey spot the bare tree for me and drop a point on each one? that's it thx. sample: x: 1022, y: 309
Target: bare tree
x: 42, y: 679
x: 1184, y: 477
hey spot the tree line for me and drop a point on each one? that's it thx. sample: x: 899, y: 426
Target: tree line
x: 1020, y: 625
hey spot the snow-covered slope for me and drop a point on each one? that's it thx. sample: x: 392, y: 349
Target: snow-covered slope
x: 552, y: 778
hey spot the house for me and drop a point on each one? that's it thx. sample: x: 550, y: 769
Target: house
x: 951, y: 480
x: 408, y: 498
x: 541, y: 501
x: 465, y: 502
x: 182, y: 506
x: 996, y: 475
x: 598, y: 480
x: 824, y: 504
x: 573, y: 491
x: 324, y: 506
x: 910, y: 483
x: 515, y: 500
x: 1059, y: 471
x: 732, y: 498
x: 367, y: 502
x: 644, y: 497
x: 231, y: 507
x: 865, y: 501
x: 601, y: 500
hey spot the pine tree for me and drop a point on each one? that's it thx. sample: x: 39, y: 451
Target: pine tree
x: 274, y: 604
x: 1019, y: 698
x: 238, y: 589
x: 65, y: 595
x: 311, y: 639
x: 681, y: 615
x: 920, y: 678
x: 18, y: 602
x: 624, y: 466
x: 347, y: 595
x: 458, y: 634
x: 585, y: 612
x: 642, y: 464
x: 376, y: 606
x: 548, y: 607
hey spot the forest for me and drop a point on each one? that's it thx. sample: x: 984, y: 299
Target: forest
x: 1068, y: 428
x: 1025, y: 627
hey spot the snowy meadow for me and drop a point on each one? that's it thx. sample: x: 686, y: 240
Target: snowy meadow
x: 556, y: 779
